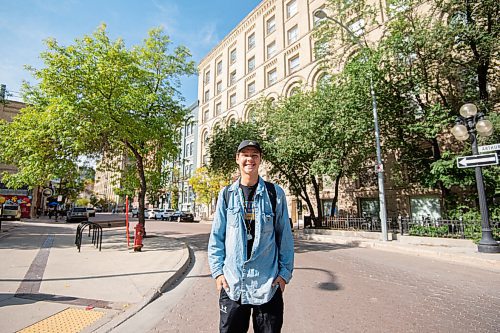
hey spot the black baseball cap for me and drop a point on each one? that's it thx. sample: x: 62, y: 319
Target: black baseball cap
x: 249, y: 143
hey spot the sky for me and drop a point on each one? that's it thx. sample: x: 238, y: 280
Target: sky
x: 197, y: 24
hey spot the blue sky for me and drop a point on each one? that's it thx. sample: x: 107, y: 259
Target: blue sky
x: 197, y: 24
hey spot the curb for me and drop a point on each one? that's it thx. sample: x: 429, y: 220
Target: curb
x: 153, y: 294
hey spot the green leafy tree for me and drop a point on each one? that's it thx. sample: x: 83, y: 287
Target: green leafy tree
x: 206, y: 186
x: 97, y: 97
x: 224, y: 142
x: 433, y: 57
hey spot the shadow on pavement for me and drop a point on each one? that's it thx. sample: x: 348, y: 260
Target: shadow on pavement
x: 311, y: 246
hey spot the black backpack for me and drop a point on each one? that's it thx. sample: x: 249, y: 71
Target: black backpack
x: 271, y: 191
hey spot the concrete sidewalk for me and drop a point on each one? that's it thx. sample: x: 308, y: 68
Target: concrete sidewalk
x: 47, y: 285
x: 460, y: 251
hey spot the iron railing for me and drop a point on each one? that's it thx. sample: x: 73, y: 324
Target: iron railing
x: 427, y: 227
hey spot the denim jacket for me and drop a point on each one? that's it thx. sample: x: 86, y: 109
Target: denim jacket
x: 272, y: 253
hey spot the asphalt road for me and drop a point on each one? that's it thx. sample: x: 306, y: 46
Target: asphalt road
x: 338, y: 289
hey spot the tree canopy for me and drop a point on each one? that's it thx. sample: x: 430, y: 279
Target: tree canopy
x: 98, y: 98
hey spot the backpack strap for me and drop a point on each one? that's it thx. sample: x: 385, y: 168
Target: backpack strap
x: 226, y: 195
x: 271, y: 191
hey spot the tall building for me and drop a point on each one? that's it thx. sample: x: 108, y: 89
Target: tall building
x: 270, y: 53
x: 187, y: 159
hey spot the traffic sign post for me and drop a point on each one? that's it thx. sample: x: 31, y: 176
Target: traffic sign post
x: 477, y: 160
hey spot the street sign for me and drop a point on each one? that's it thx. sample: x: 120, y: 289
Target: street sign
x: 488, y: 148
x: 477, y: 160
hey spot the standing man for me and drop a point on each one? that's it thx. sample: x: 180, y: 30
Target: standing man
x: 250, y: 251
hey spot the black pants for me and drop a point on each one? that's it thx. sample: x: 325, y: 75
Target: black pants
x: 235, y: 317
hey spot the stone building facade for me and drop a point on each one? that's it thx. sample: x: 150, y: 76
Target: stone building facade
x: 270, y: 53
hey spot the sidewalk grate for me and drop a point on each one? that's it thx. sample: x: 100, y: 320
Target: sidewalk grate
x: 70, y: 320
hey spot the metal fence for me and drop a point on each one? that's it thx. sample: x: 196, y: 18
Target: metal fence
x: 414, y: 227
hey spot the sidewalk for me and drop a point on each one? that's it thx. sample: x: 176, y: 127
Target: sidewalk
x: 47, y: 285
x: 461, y: 251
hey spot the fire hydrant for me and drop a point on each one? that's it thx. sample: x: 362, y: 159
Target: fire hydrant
x: 139, y: 233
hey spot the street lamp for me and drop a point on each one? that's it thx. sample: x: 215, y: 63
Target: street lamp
x: 320, y: 14
x: 471, y: 123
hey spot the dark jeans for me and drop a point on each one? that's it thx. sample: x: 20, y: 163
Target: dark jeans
x: 235, y: 317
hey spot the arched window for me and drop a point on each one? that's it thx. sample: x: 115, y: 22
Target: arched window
x: 250, y: 114
x: 205, y: 139
x: 293, y: 91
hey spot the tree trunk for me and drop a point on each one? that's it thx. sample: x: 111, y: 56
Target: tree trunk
x: 142, y: 185
x: 318, y: 200
x: 336, y: 193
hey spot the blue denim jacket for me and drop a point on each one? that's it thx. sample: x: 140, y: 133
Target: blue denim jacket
x: 272, y: 253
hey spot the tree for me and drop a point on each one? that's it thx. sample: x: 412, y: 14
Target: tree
x: 206, y: 186
x: 325, y: 132
x: 433, y: 57
x: 223, y: 144
x: 97, y: 97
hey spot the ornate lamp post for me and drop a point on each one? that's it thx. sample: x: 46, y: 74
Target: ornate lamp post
x: 471, y: 123
x: 380, y: 167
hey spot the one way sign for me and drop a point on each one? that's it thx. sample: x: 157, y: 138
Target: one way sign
x: 477, y: 160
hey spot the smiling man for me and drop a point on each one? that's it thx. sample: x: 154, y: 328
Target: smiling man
x: 250, y: 250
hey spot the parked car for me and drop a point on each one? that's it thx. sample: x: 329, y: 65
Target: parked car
x: 135, y: 212
x: 11, y: 211
x: 77, y: 214
x: 151, y: 213
x: 165, y: 214
x: 184, y: 216
x: 91, y: 211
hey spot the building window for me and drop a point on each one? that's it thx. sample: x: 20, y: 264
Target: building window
x: 293, y: 34
x: 191, y: 149
x: 251, y: 89
x: 207, y: 77
x: 251, y: 41
x: 232, y: 78
x: 291, y: 8
x: 294, y: 91
x: 219, y: 87
x: 271, y: 49
x: 232, y: 56
x: 271, y: 25
x: 251, y: 64
x: 293, y: 64
x: 425, y: 208
x: 358, y: 27
x: 369, y: 207
x: 218, y: 108
x: 206, y: 115
x: 206, y: 97
x: 232, y: 100
x: 272, y: 77
x: 219, y: 67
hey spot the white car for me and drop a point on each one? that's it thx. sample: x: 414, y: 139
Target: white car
x: 165, y: 214
x: 152, y: 213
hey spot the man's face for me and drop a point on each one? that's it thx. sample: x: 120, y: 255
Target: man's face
x: 248, y: 159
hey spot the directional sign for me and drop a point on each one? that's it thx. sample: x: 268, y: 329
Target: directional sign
x: 477, y: 160
x: 488, y: 148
